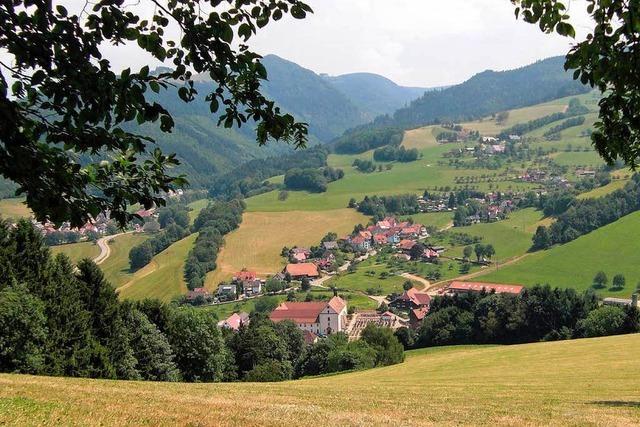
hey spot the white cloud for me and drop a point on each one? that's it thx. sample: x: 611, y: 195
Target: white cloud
x: 413, y: 42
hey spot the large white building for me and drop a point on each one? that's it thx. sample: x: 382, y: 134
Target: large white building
x: 321, y: 318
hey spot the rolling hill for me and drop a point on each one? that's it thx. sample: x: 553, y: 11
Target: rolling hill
x: 578, y: 382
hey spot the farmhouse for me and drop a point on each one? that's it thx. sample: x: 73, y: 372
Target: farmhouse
x: 457, y: 287
x: 243, y: 275
x: 411, y: 299
x: 234, y: 321
x: 252, y: 287
x: 320, y: 318
x: 406, y: 245
x: 302, y: 270
x: 197, y: 292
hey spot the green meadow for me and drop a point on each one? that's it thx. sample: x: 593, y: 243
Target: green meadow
x: 612, y: 249
x: 77, y: 251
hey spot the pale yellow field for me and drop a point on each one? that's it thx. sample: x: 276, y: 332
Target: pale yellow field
x: 256, y: 245
x: 14, y: 208
x: 419, y: 138
x: 488, y: 126
x: 562, y: 383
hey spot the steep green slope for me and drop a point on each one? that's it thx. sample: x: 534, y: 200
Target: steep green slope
x: 572, y: 383
x: 612, y: 249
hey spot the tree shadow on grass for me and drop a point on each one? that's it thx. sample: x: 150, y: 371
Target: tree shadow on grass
x: 616, y: 403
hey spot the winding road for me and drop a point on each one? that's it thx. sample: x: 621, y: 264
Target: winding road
x: 105, y: 250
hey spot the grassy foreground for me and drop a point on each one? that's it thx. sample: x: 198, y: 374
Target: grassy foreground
x: 581, y: 382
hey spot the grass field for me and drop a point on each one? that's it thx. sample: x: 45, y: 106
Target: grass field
x: 77, y: 251
x: 612, y: 249
x: 510, y: 237
x: 565, y: 383
x: 116, y: 267
x: 14, y: 209
x: 196, y: 207
x: 256, y: 245
x: 436, y: 219
x: 604, y: 190
x: 162, y: 278
x: 361, y: 281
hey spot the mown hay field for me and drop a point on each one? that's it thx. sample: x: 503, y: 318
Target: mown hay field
x: 566, y: 383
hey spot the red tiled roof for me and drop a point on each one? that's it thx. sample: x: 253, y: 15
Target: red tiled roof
x: 245, y: 275
x: 499, y: 288
x: 380, y: 238
x: 418, y: 298
x: 234, y: 321
x: 419, y: 313
x: 301, y: 256
x: 406, y: 244
x: 302, y: 269
x: 299, y: 312
x: 337, y: 304
x: 309, y: 337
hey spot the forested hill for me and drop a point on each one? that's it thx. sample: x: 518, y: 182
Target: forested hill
x: 487, y: 93
x: 374, y: 93
x: 205, y: 149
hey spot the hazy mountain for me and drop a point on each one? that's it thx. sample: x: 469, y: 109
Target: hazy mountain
x: 374, y: 93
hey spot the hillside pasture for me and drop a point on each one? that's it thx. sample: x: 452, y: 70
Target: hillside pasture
x: 562, y: 383
x: 77, y: 251
x: 604, y: 190
x: 14, y: 209
x: 163, y: 277
x: 116, y: 267
x: 257, y: 243
x: 611, y: 249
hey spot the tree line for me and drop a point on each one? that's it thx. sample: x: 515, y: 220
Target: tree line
x: 584, y: 216
x: 392, y: 153
x: 540, y: 313
x: 141, y: 255
x: 569, y: 123
x: 359, y: 140
x: 212, y: 224
x: 249, y: 179
x: 59, y: 320
x: 381, y: 206
x: 311, y: 179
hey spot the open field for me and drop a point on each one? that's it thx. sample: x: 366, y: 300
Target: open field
x: 116, y: 267
x: 77, y: 251
x: 612, y: 249
x: 604, y: 190
x: 162, y: 278
x: 566, y: 383
x: 196, y: 207
x: 14, y: 208
x: 510, y: 237
x: 367, y: 276
x: 436, y: 219
x: 256, y: 245
x: 420, y: 138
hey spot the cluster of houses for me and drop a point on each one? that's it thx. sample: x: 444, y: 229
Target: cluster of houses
x: 389, y: 231
x: 96, y: 227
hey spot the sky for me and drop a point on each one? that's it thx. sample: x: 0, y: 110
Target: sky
x: 423, y: 43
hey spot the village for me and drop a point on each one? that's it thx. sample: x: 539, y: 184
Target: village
x: 311, y: 267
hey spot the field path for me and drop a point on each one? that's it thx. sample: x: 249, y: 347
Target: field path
x: 105, y: 250
x: 425, y: 282
x: 482, y: 272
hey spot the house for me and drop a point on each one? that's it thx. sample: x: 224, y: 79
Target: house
x: 329, y: 246
x: 197, y: 292
x: 622, y: 302
x: 234, y: 321
x: 320, y: 318
x: 299, y: 257
x: 309, y: 337
x: 406, y: 245
x: 393, y: 238
x: 252, y: 287
x: 416, y: 316
x: 457, y: 287
x: 227, y: 290
x: 360, y: 243
x: 411, y: 299
x: 302, y: 270
x: 411, y: 231
x: 379, y: 239
x: 430, y: 254
x: 244, y: 275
